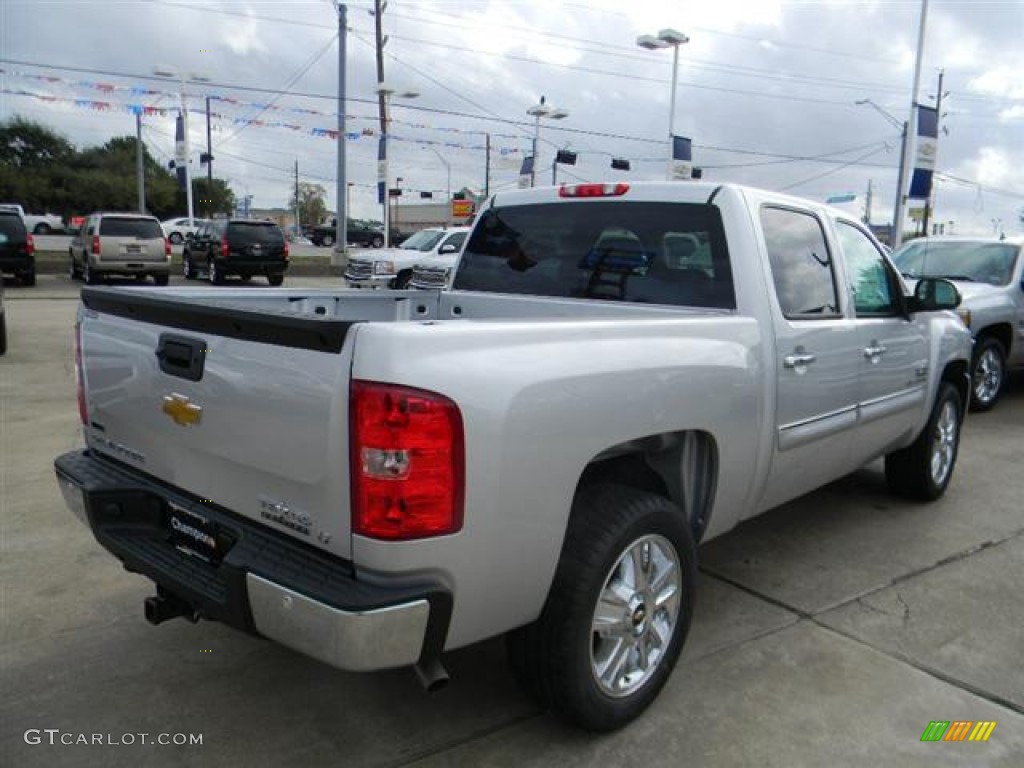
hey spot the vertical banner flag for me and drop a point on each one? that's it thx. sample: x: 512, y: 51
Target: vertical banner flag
x: 682, y: 160
x: 179, y: 150
x: 525, y: 172
x: 382, y: 170
x: 924, y: 157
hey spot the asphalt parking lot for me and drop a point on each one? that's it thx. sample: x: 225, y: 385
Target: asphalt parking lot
x: 830, y: 631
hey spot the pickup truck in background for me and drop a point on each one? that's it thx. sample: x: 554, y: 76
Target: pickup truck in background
x: 394, y: 267
x: 37, y: 223
x: 989, y: 273
x: 620, y: 372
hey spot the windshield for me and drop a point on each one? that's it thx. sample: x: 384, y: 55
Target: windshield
x: 424, y: 240
x: 974, y: 261
x: 658, y: 253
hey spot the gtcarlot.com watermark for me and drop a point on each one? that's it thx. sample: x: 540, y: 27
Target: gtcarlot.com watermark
x: 55, y: 736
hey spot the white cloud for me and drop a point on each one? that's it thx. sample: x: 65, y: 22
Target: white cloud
x: 1003, y: 81
x: 243, y: 38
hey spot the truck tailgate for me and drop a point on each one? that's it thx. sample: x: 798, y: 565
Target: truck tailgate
x: 245, y: 410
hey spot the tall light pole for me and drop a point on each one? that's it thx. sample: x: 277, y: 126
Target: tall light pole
x: 667, y: 38
x: 386, y: 92
x: 898, y: 224
x: 448, y: 186
x: 341, y: 220
x: 537, y: 111
x: 901, y: 178
x: 181, y: 77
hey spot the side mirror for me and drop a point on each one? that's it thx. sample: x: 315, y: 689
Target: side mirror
x: 932, y: 294
x: 449, y: 248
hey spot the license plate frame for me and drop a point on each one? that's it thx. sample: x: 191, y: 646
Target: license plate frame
x: 194, y: 534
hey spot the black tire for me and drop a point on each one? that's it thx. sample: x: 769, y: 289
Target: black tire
x: 73, y: 273
x: 188, y: 269
x: 42, y: 229
x: 988, y: 373
x: 275, y: 280
x: 216, y: 276
x: 162, y: 279
x: 555, y: 657
x: 176, y: 238
x: 89, y: 275
x: 910, y: 471
x: 28, y: 278
x: 377, y: 241
x: 327, y: 240
x: 3, y: 334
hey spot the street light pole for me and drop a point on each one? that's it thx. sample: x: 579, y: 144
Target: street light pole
x: 905, y: 154
x: 180, y: 77
x: 537, y: 111
x: 668, y: 38
x: 341, y: 221
x: 382, y: 164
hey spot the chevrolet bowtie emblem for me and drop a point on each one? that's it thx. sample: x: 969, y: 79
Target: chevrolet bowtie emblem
x: 181, y: 410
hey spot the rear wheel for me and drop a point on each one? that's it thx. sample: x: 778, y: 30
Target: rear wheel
x: 988, y: 372
x: 923, y: 469
x: 216, y: 275
x: 328, y: 240
x: 188, y: 269
x: 161, y: 279
x: 42, y: 229
x: 3, y: 334
x: 73, y: 273
x: 245, y: 278
x: 618, y: 611
x: 90, y: 275
x: 275, y: 280
x: 28, y: 278
x: 176, y: 238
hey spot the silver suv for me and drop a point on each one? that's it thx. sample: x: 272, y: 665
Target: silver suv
x: 120, y: 244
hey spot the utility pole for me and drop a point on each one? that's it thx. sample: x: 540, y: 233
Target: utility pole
x: 209, y: 164
x: 298, y: 224
x: 867, y: 204
x: 140, y: 174
x: 938, y: 132
x: 382, y: 108
x: 901, y: 197
x: 487, y: 166
x: 341, y: 188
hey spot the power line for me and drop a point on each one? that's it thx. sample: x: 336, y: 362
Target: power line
x: 830, y: 171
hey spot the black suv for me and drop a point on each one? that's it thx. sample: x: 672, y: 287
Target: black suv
x: 243, y: 247
x: 17, y: 251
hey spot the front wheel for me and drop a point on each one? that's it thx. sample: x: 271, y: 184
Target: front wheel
x: 923, y: 469
x: 988, y: 371
x: 618, y: 611
x: 275, y: 280
x: 161, y: 279
x: 328, y: 240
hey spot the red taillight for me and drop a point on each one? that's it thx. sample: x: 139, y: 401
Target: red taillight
x: 407, y: 462
x: 593, y: 190
x: 167, y: 248
x: 83, y: 408
x: 287, y: 251
x: 96, y: 245
x: 30, y: 245
x: 224, y: 248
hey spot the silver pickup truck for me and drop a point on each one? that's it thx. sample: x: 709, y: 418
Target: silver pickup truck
x: 621, y: 372
x: 989, y: 273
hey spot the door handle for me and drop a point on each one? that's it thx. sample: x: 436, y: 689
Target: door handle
x: 876, y: 350
x: 798, y: 361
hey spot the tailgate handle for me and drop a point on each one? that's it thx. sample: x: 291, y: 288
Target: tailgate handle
x: 181, y: 356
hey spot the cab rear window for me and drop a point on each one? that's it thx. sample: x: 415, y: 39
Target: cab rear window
x: 144, y: 229
x: 653, y: 253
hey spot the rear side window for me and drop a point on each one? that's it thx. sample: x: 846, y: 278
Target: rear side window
x: 144, y: 229
x: 801, y: 263
x: 11, y: 227
x: 246, y: 233
x: 652, y: 253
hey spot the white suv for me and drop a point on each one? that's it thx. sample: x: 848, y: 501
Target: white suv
x: 392, y: 267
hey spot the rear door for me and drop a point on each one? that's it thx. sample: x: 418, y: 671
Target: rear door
x: 894, y: 349
x: 131, y: 238
x: 817, y: 349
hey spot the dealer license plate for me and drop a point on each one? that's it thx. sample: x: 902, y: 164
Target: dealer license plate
x: 194, y: 534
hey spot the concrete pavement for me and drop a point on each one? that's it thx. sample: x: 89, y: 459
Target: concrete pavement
x: 830, y: 631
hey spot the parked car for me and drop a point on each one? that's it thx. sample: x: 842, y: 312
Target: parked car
x: 242, y: 247
x: 989, y: 273
x: 373, y: 481
x: 17, y: 248
x: 356, y: 232
x: 131, y: 244
x: 393, y: 268
x: 3, y: 321
x: 179, y: 230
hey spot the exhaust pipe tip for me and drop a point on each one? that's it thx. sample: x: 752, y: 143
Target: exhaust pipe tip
x: 432, y: 675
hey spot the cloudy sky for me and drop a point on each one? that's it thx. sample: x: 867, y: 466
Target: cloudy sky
x: 767, y: 90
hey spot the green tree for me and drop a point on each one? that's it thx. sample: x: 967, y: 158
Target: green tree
x: 212, y: 199
x: 312, y: 203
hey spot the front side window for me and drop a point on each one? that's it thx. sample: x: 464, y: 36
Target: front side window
x: 873, y: 288
x: 801, y: 264
x: 653, y: 253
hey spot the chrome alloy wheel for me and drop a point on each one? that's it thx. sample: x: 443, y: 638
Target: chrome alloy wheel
x: 635, y: 616
x: 944, y: 440
x: 988, y: 375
